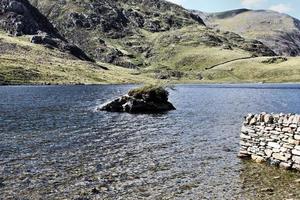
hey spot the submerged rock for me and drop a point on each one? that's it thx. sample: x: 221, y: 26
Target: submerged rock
x: 143, y: 100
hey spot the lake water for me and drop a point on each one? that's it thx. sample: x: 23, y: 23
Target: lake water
x: 54, y: 145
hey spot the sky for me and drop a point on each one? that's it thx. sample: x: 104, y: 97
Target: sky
x: 291, y: 7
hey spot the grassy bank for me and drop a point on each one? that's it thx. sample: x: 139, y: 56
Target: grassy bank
x: 24, y: 63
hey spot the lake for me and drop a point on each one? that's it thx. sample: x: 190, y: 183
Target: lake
x: 55, y: 145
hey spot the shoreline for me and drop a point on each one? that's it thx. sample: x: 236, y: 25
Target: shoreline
x: 171, y: 83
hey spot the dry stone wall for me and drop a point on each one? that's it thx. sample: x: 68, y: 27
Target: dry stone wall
x: 272, y: 138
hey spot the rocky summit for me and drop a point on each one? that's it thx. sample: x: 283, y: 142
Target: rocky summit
x: 19, y: 17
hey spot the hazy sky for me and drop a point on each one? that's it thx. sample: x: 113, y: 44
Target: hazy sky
x: 291, y: 7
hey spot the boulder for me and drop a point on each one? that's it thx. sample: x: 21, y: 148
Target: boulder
x: 140, y: 102
x: 132, y: 105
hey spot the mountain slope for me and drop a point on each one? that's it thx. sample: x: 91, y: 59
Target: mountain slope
x: 22, y: 62
x: 111, y: 30
x: 160, y: 39
x: 120, y: 31
x: 278, y: 31
x: 32, y: 51
x: 19, y: 17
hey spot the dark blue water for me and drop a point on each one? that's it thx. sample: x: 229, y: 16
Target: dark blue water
x: 55, y: 145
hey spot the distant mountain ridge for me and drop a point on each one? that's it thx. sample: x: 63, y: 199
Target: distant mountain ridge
x: 280, y: 32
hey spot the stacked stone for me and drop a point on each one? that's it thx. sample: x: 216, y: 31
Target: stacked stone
x: 272, y: 138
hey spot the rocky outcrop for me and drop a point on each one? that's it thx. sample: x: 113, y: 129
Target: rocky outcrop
x: 98, y: 25
x: 272, y: 138
x: 19, y: 17
x: 119, y: 31
x: 52, y: 42
x: 150, y: 101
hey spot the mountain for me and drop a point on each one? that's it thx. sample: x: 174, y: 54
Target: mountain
x: 19, y: 17
x: 33, y: 51
x: 131, y: 41
x: 113, y: 30
x: 120, y: 32
x: 280, y: 32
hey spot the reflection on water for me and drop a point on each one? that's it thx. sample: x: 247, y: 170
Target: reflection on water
x: 54, y: 145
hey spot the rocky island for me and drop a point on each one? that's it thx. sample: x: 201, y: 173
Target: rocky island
x: 147, y: 99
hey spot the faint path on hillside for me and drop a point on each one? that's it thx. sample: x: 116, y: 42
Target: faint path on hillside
x: 229, y: 61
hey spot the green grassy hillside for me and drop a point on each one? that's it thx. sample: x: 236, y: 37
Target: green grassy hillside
x: 22, y: 62
x: 133, y: 45
x: 262, y: 69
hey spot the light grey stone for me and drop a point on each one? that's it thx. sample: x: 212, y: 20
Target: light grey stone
x: 268, y: 152
x: 282, y: 157
x: 287, y: 130
x: 297, y: 137
x: 296, y: 119
x: 296, y: 159
x: 258, y: 159
x: 253, y: 121
x: 244, y: 136
x: 276, y: 150
x: 296, y: 166
x: 297, y: 147
x: 262, y: 139
x: 293, y: 126
x: 274, y: 145
x: 245, y: 129
x: 296, y: 152
x: 269, y: 128
x: 262, y: 144
x: 268, y: 118
x: 291, y: 119
x: 285, y: 165
x: 247, y: 144
x: 275, y: 132
x: 275, y: 137
x: 289, y: 146
x: 283, y: 149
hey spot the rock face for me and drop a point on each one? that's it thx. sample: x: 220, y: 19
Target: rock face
x: 148, y: 102
x: 120, y: 32
x: 272, y: 138
x: 278, y: 31
x: 19, y: 17
x: 97, y: 25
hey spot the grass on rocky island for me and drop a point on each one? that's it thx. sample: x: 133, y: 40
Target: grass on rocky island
x: 151, y: 91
